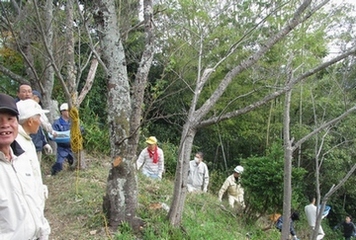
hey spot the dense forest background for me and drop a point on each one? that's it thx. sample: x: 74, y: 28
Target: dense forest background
x: 192, y: 37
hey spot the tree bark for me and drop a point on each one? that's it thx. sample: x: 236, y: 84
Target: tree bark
x: 120, y: 201
x: 180, y: 185
x: 140, y: 83
x: 288, y: 156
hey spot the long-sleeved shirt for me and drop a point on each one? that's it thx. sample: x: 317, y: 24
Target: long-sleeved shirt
x: 279, y: 225
x: 233, y: 188
x: 39, y: 139
x: 311, y: 212
x: 147, y: 164
x: 198, y: 176
x: 21, y: 211
x: 348, y: 228
x: 62, y: 125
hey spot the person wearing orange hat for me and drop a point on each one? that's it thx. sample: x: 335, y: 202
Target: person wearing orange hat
x: 151, y: 159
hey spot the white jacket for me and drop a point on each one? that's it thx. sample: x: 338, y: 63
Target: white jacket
x: 21, y: 207
x: 198, y: 177
x: 30, y: 153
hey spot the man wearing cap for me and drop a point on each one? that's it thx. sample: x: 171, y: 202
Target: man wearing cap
x: 30, y: 121
x: 64, y: 150
x: 234, y: 189
x: 151, y: 159
x: 198, y: 175
x: 21, y: 195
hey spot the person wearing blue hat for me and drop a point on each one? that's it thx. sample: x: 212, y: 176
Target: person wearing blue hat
x: 39, y: 138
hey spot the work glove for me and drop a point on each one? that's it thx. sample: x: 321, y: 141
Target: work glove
x: 295, y: 237
x: 45, y: 191
x: 48, y: 149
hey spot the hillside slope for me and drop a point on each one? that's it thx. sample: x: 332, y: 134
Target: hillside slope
x: 74, y: 209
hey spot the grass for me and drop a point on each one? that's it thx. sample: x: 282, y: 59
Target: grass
x: 74, y: 210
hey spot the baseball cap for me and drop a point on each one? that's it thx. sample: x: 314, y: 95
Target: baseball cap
x: 37, y: 93
x: 8, y: 104
x: 63, y: 107
x: 239, y: 169
x: 29, y: 108
x: 151, y: 140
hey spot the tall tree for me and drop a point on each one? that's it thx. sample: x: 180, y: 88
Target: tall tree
x: 200, y: 108
x: 124, y: 109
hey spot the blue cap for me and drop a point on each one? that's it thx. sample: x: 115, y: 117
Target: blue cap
x: 37, y: 93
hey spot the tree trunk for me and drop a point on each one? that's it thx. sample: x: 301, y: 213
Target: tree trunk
x: 287, y: 196
x: 71, y: 73
x: 180, y: 185
x: 140, y: 83
x: 120, y: 202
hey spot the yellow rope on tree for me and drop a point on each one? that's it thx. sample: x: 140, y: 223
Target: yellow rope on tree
x: 76, y: 139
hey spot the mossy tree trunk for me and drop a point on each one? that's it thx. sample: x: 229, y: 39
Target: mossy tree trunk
x: 124, y: 112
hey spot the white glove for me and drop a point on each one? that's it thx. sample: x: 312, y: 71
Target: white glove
x: 45, y: 191
x: 48, y: 149
x: 295, y: 237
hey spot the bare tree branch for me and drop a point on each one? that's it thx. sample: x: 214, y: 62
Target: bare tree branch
x: 13, y: 75
x: 275, y: 94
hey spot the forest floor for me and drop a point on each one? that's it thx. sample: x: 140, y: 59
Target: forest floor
x: 73, y: 207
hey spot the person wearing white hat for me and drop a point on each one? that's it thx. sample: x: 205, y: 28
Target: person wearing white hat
x: 29, y: 122
x: 151, y: 159
x: 64, y: 150
x: 235, y: 192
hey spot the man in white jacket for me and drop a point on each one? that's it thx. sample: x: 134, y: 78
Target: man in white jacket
x: 198, y: 175
x: 21, y: 195
x: 235, y: 192
x: 311, y: 211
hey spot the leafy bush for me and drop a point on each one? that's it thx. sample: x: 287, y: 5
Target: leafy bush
x: 263, y: 182
x: 96, y: 134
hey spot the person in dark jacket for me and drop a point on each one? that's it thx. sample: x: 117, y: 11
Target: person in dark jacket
x: 294, y: 217
x: 39, y: 138
x: 348, y: 228
x: 64, y: 150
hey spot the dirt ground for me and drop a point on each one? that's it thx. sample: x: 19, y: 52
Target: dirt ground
x: 67, y: 213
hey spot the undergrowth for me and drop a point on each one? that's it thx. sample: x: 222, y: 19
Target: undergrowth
x: 74, y: 210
